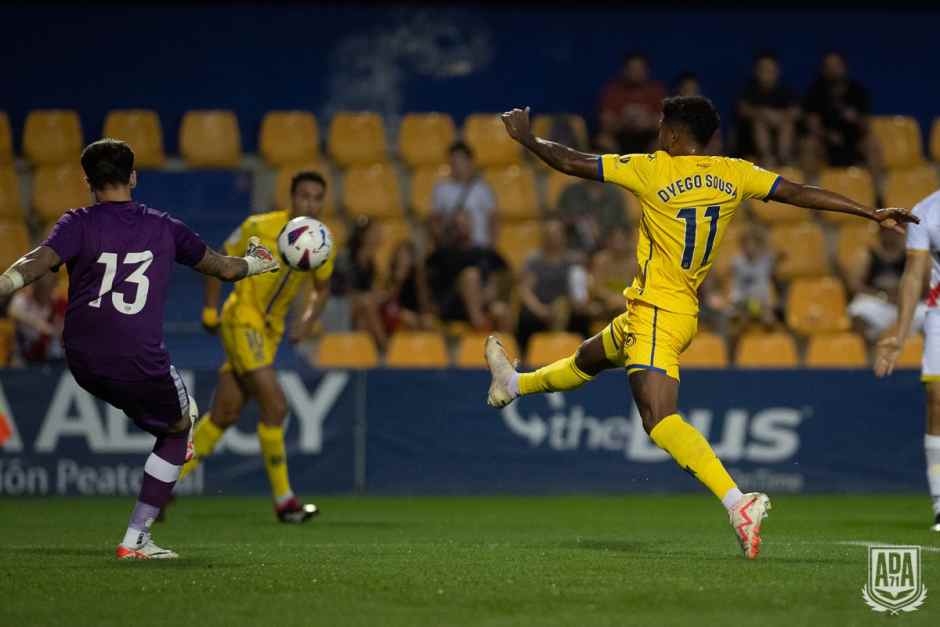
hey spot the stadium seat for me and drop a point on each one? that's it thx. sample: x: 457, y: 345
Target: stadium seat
x: 516, y: 241
x: 514, y: 186
x: 935, y: 139
x: 7, y: 341
x: 470, y: 349
x: 912, y: 353
x: 766, y: 350
x: 6, y: 139
x: 555, y: 184
x: 282, y: 185
x: 546, y: 347
x: 210, y: 139
x: 289, y: 137
x: 347, y: 350
x: 16, y: 242
x: 52, y: 136
x: 730, y: 247
x: 10, y: 204
x: 423, y: 138
x: 417, y: 350
x: 357, y: 139
x: 422, y: 187
x: 836, y: 350
x: 372, y: 190
x: 852, y: 245
x: 394, y: 232
x: 856, y: 183
x: 707, y: 350
x: 906, y: 188
x: 898, y: 136
x: 492, y: 146
x: 773, y: 212
x: 57, y: 188
x: 816, y: 306
x: 542, y: 127
x: 141, y: 129
x: 802, y: 250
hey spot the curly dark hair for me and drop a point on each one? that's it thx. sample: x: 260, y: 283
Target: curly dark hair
x: 696, y: 114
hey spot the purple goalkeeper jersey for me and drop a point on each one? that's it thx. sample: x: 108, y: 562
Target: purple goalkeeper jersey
x: 119, y: 257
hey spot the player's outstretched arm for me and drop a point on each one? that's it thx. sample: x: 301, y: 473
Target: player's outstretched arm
x: 820, y: 199
x: 558, y: 156
x: 257, y: 260
x: 27, y: 269
x: 909, y: 292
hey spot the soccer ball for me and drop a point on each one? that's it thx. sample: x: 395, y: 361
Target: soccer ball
x: 305, y: 243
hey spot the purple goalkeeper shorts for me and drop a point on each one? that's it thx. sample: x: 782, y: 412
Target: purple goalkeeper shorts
x: 153, y: 404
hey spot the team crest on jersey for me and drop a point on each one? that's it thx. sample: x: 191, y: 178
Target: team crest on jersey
x: 625, y: 159
x: 629, y: 340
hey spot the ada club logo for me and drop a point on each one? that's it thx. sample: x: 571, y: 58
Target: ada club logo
x: 894, y: 583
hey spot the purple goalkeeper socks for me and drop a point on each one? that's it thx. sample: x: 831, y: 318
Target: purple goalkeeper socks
x: 160, y: 474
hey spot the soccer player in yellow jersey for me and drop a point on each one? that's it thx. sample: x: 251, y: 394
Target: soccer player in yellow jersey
x: 688, y: 199
x: 251, y: 327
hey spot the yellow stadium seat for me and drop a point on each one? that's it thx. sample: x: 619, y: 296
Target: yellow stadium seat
x: 817, y: 306
x: 546, y: 347
x: 58, y: 188
x: 514, y: 186
x: 422, y: 187
x: 423, y: 138
x: 210, y: 139
x: 6, y: 139
x: 555, y: 184
x: 912, y: 353
x: 282, y: 185
x: 470, y: 349
x: 516, y: 241
x: 906, y: 188
x: 802, y: 250
x: 7, y: 341
x: 347, y: 350
x: 766, y: 350
x: 52, y: 136
x: 492, y: 146
x: 289, y: 137
x: 774, y: 212
x: 856, y: 183
x: 853, y: 244
x: 935, y: 139
x: 10, y: 204
x: 542, y: 127
x: 836, y: 350
x: 357, y: 139
x: 707, y: 350
x: 16, y: 242
x: 898, y: 136
x: 141, y: 129
x: 372, y: 190
x: 417, y: 350
x: 394, y: 232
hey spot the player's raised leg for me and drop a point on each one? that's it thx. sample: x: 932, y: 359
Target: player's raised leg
x: 932, y: 447
x: 264, y: 387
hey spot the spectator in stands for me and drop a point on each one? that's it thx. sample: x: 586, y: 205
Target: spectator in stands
x: 837, y: 109
x: 406, y: 300
x: 629, y: 108
x: 752, y: 299
x: 687, y: 84
x: 613, y: 268
x: 38, y: 311
x: 589, y: 210
x: 365, y: 295
x: 874, y: 286
x: 553, y: 287
x: 767, y: 115
x: 469, y: 284
x: 464, y: 191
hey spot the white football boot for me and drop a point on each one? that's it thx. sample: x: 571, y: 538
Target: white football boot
x: 194, y: 420
x: 746, y: 518
x: 147, y: 550
x: 501, y: 371
x: 936, y: 526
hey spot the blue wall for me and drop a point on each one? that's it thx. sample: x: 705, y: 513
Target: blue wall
x: 459, y: 60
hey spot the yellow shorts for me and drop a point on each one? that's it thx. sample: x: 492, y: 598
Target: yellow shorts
x: 646, y: 337
x: 247, y: 347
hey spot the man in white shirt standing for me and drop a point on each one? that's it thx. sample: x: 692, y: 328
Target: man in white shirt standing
x: 464, y: 190
x: 923, y: 249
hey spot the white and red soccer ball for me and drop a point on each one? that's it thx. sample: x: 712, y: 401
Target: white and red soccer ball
x: 305, y: 243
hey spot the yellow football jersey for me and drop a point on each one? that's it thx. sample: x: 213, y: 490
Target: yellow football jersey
x: 687, y: 204
x: 264, y: 300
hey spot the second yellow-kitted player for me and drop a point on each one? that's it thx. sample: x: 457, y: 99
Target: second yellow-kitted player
x: 251, y: 328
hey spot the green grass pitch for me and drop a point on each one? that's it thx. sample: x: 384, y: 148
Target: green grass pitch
x: 635, y: 560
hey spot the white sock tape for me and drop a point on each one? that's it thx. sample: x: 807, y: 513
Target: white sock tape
x: 15, y: 278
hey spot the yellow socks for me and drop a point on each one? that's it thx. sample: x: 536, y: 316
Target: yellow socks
x: 205, y: 438
x: 556, y: 377
x: 275, y: 459
x: 693, y: 453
